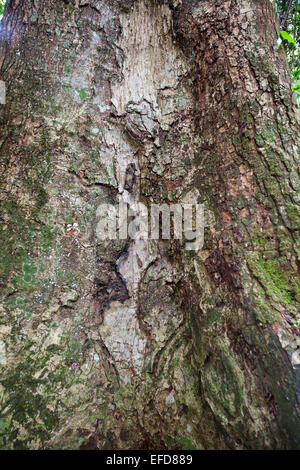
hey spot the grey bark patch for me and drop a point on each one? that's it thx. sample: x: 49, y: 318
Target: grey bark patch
x: 3, y: 359
x: 2, y: 92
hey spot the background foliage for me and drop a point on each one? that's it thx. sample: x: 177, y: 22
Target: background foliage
x: 289, y: 16
x: 2, y: 4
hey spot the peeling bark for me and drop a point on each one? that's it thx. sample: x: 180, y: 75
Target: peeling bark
x: 142, y: 344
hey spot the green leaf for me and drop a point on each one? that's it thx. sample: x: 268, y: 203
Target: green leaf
x: 296, y: 86
x: 2, y: 5
x: 287, y: 36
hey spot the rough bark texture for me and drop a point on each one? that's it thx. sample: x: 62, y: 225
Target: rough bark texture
x: 122, y: 345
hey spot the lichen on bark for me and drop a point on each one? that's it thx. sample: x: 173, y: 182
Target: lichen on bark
x: 120, y: 344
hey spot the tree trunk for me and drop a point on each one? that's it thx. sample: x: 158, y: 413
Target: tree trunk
x: 126, y: 345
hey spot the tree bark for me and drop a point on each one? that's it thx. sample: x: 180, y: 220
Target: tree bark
x: 127, y: 345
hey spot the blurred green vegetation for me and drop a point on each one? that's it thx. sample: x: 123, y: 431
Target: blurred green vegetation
x: 289, y: 17
x: 2, y: 5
